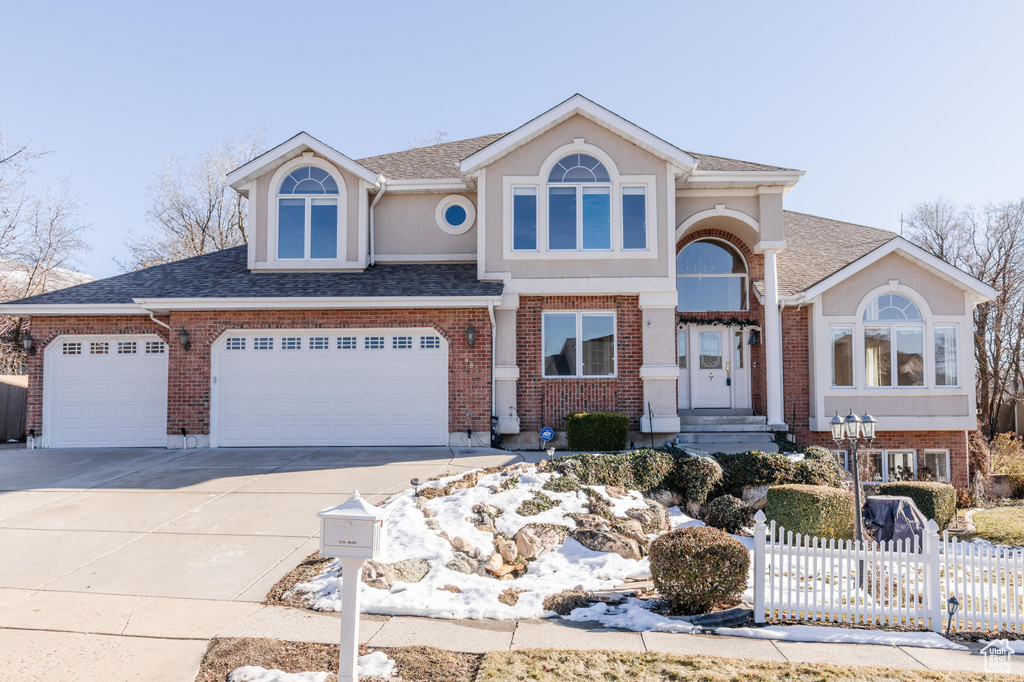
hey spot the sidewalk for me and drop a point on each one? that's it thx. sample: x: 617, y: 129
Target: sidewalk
x: 131, y: 634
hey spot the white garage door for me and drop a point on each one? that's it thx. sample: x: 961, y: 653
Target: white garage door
x: 330, y: 387
x: 105, y: 391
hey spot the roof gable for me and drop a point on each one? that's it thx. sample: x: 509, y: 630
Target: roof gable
x: 286, y: 151
x: 577, y: 105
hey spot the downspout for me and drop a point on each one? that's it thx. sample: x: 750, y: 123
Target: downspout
x: 494, y: 348
x: 162, y: 324
x: 382, y: 182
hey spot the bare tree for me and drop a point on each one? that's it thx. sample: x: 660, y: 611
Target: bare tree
x: 194, y: 211
x: 988, y: 243
x: 41, y: 237
x: 437, y: 137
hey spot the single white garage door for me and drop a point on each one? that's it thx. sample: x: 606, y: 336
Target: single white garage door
x: 105, y: 392
x: 330, y: 387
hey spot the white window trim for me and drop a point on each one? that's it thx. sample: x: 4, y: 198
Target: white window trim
x: 580, y: 314
x: 940, y: 451
x: 448, y: 202
x: 540, y: 183
x: 728, y: 247
x: 307, y: 159
x: 885, y: 462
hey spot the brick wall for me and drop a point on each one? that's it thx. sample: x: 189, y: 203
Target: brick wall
x: 546, y: 402
x: 755, y: 265
x: 188, y: 387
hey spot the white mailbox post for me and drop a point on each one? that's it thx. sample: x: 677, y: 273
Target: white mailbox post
x: 352, y: 532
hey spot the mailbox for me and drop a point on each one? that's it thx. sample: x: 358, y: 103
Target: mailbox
x: 352, y: 530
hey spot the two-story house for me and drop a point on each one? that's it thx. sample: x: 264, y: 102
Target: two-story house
x: 578, y: 262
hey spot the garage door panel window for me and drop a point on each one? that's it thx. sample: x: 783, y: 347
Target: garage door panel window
x: 291, y: 343
x: 401, y: 342
x: 429, y: 342
x: 263, y: 343
x: 100, y: 348
x: 236, y: 344
x: 346, y: 343
x: 155, y: 347
x: 374, y: 343
x: 319, y: 343
x: 72, y: 348
x: 127, y: 348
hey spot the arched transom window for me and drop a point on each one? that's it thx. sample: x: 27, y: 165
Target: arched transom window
x: 307, y: 214
x: 579, y: 204
x: 711, y: 275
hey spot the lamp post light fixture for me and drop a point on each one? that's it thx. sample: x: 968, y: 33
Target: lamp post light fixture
x: 848, y: 432
x: 28, y: 343
x: 952, y: 606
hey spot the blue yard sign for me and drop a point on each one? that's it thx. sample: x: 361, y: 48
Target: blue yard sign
x: 547, y: 433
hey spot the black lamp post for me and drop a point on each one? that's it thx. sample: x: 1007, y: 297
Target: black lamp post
x: 849, y: 432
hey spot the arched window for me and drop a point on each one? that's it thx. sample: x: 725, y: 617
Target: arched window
x: 579, y: 204
x: 893, y: 328
x: 307, y: 214
x: 711, y: 275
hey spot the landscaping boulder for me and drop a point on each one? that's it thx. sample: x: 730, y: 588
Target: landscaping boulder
x: 615, y: 492
x: 493, y: 563
x: 462, y: 544
x: 563, y: 603
x: 381, y: 576
x: 506, y: 548
x: 589, y: 521
x: 654, y: 518
x: 532, y: 541
x: 607, y: 541
x: 463, y: 563
x: 668, y: 498
x: 755, y: 495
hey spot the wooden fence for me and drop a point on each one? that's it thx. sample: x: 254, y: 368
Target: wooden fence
x: 13, y: 403
x: 898, y: 584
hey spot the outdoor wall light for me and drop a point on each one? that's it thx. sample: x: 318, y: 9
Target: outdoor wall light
x: 952, y: 606
x: 183, y: 337
x: 28, y: 343
x: 471, y: 335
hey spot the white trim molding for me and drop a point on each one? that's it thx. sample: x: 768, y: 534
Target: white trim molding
x: 240, y: 178
x: 718, y: 210
x: 321, y: 303
x: 455, y: 200
x: 577, y: 104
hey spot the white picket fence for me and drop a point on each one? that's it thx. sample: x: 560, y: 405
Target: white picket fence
x: 904, y: 584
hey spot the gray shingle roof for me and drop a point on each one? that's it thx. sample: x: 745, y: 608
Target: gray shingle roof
x: 225, y: 274
x: 818, y: 247
x: 442, y: 160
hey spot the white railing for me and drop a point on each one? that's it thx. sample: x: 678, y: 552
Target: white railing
x: 901, y: 584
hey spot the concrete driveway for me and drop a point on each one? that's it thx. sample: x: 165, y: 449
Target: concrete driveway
x: 122, y: 564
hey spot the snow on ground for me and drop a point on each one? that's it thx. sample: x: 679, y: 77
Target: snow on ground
x: 633, y: 614
x: 569, y: 566
x: 376, y: 664
x: 811, y: 633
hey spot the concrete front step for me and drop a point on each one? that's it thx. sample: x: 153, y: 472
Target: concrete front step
x: 722, y: 428
x: 725, y: 437
x: 706, y: 419
x: 730, y: 448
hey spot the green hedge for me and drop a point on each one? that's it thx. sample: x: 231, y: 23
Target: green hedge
x: 935, y: 500
x: 697, y: 568
x: 818, y: 472
x: 637, y: 470
x: 819, y: 453
x: 729, y: 513
x: 754, y: 468
x: 814, y: 510
x: 693, y: 477
x: 597, y: 431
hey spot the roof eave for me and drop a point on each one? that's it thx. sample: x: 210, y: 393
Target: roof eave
x: 318, y: 302
x: 701, y: 179
x: 51, y: 309
x: 577, y: 104
x: 239, y: 178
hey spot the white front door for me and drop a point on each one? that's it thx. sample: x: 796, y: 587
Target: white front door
x: 711, y: 367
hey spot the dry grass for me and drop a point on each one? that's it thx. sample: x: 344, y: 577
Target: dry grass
x: 311, y: 567
x: 568, y: 666
x: 427, y: 664
x: 1004, y: 526
x: 415, y: 664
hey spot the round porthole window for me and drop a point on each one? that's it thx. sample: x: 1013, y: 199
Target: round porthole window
x: 455, y: 214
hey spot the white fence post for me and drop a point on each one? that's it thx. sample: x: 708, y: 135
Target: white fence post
x: 932, y: 592
x: 760, y: 535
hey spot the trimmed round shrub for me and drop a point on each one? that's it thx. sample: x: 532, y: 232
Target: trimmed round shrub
x: 818, y: 472
x: 754, y: 468
x: 819, y: 453
x: 935, y: 500
x: 637, y: 470
x: 597, y: 430
x: 819, y: 511
x: 693, y: 477
x: 696, y: 569
x: 729, y: 513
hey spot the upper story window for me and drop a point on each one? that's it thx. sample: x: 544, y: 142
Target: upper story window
x: 901, y: 347
x: 711, y: 275
x: 307, y: 214
x: 578, y: 206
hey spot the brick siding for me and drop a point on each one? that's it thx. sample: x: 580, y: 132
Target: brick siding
x: 188, y: 386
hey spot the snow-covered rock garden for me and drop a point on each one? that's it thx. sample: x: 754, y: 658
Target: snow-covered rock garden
x: 570, y: 537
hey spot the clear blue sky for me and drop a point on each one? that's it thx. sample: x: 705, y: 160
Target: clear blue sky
x: 883, y: 104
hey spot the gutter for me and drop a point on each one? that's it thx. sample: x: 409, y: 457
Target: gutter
x: 382, y: 182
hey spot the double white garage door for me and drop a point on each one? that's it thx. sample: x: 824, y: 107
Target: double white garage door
x: 268, y: 388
